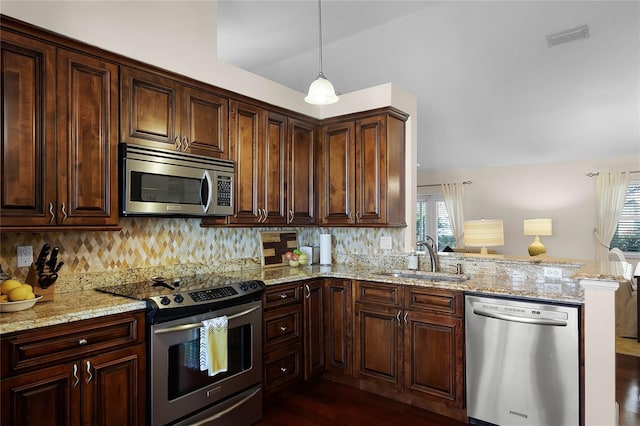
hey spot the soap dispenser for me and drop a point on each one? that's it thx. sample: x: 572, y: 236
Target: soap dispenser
x: 412, y: 261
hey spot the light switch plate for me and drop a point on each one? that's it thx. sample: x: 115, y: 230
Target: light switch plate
x: 25, y: 256
x: 552, y: 272
x: 386, y: 243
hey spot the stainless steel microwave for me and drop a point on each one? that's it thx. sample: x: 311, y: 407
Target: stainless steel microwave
x: 158, y: 182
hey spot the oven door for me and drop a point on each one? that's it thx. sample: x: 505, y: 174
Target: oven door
x: 177, y: 386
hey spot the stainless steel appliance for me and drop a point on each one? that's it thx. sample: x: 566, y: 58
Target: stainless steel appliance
x: 179, y: 393
x: 522, y: 362
x: 158, y: 182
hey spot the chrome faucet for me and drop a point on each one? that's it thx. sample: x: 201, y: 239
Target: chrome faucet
x: 430, y: 244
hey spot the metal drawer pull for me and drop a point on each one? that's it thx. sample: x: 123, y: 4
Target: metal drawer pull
x: 283, y: 296
x: 283, y: 370
x: 306, y: 287
x: 398, y: 317
x: 53, y: 215
x: 219, y: 414
x: 89, y: 372
x: 64, y: 213
x: 199, y: 324
x: 283, y: 328
x: 75, y: 375
x: 405, y: 316
x: 82, y: 342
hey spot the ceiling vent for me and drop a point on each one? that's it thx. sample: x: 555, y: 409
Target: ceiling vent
x: 568, y: 35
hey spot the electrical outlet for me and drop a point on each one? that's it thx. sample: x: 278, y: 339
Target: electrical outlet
x: 552, y: 272
x: 386, y: 243
x: 553, y: 288
x: 25, y: 256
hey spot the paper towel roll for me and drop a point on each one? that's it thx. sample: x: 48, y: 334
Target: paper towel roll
x: 325, y: 249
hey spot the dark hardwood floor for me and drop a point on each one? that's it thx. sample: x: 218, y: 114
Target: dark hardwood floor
x: 328, y: 403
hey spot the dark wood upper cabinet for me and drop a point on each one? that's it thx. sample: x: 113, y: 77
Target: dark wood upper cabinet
x: 301, y: 172
x: 161, y: 112
x: 68, y: 178
x: 362, y: 170
x: 272, y: 193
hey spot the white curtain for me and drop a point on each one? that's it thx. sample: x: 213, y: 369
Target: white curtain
x: 611, y: 192
x: 454, y: 202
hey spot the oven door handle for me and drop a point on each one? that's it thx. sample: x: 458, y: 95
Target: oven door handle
x: 227, y: 410
x: 199, y: 324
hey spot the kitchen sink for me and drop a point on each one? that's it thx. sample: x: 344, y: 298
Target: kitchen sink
x: 425, y: 276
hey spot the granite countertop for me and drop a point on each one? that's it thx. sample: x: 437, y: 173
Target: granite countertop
x: 88, y: 303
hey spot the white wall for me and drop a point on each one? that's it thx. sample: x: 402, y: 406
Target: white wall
x: 560, y: 191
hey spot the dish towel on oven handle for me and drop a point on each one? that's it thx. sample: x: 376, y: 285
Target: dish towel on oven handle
x: 213, y: 345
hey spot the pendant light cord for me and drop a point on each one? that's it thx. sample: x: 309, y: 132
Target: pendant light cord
x: 320, y: 34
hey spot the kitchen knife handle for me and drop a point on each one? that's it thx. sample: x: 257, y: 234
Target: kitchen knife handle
x: 64, y: 213
x: 75, y: 375
x: 89, y: 372
x: 53, y: 215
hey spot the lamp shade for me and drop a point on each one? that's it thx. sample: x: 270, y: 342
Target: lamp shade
x: 483, y: 233
x: 321, y: 92
x: 537, y: 227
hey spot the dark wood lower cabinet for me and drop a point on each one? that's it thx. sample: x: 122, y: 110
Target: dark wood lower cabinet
x: 313, y: 328
x: 338, y: 329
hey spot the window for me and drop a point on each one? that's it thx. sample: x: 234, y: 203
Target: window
x: 627, y: 235
x: 432, y: 219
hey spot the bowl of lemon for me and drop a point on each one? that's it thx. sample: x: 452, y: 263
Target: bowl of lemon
x: 16, y: 296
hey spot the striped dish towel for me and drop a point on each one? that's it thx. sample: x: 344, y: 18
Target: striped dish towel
x: 213, y: 345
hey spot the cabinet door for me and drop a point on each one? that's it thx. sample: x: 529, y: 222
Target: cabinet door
x: 378, y: 344
x: 204, y: 123
x: 149, y: 110
x: 338, y: 330
x: 114, y: 388
x: 337, y: 175
x: 87, y: 140
x: 28, y: 131
x: 313, y: 328
x: 246, y: 140
x: 434, y: 361
x: 371, y: 170
x: 49, y: 396
x: 300, y: 178
x: 273, y: 195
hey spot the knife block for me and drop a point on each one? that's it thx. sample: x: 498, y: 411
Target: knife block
x: 32, y: 278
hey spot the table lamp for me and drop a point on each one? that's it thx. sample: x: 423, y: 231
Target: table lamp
x: 483, y: 233
x: 537, y: 227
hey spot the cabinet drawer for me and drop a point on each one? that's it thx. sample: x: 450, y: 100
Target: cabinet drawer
x: 282, y: 326
x: 281, y: 295
x: 24, y: 351
x: 282, y: 368
x: 434, y: 300
x: 379, y: 293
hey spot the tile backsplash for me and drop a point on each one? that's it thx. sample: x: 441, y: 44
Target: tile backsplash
x: 153, y: 242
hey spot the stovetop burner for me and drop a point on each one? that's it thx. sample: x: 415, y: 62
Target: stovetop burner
x: 186, y: 296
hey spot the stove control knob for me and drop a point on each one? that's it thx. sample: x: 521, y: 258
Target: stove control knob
x: 244, y: 287
x: 178, y: 298
x: 253, y: 284
x: 164, y: 300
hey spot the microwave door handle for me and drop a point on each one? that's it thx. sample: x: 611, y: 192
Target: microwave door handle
x: 209, y: 181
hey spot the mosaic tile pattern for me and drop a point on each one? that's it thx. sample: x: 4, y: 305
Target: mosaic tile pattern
x: 148, y: 246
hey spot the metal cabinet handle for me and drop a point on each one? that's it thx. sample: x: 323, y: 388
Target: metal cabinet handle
x: 89, y: 372
x: 283, y: 328
x: 291, y: 214
x: 259, y: 215
x: 264, y: 212
x: 283, y: 296
x: 358, y: 216
x: 64, y: 213
x: 405, y: 316
x: 398, y: 317
x: 178, y: 143
x: 53, y: 215
x: 75, y: 375
x: 185, y: 143
x: 306, y: 287
x: 283, y: 370
x: 82, y: 342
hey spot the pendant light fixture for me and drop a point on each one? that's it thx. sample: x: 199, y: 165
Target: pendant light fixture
x: 321, y: 91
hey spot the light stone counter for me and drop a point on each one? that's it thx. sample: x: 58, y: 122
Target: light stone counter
x: 87, y: 303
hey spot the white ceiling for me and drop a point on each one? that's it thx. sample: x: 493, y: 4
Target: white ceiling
x: 490, y: 91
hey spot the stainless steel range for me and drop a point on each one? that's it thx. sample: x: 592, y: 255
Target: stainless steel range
x: 180, y: 391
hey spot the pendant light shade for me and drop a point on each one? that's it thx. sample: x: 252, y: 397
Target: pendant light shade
x: 321, y: 91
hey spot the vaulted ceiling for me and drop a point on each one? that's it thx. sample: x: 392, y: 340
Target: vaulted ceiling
x: 490, y: 90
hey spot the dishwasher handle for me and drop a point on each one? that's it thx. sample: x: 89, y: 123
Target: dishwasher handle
x: 513, y: 318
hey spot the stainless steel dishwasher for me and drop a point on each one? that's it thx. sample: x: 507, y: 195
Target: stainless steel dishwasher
x: 522, y: 362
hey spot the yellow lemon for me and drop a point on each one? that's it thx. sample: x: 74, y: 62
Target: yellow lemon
x: 9, y: 285
x: 19, y: 293
x: 29, y: 286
